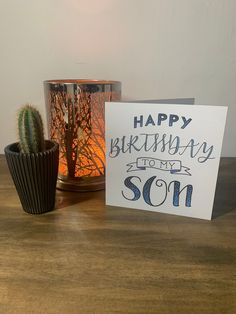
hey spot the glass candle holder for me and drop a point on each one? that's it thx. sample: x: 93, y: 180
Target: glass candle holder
x: 75, y: 114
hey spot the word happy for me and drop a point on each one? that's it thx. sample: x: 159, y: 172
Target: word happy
x: 161, y: 117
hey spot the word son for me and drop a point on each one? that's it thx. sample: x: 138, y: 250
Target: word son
x: 154, y: 186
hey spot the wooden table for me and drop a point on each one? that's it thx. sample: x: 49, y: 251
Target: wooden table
x: 87, y: 258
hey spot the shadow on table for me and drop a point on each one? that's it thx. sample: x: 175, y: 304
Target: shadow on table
x: 68, y: 198
x: 225, y: 196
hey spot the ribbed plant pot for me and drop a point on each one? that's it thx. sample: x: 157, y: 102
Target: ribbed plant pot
x: 34, y: 176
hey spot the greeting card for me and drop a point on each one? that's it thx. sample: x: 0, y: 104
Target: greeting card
x: 163, y: 157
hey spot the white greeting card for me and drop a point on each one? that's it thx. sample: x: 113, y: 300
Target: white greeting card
x: 163, y: 157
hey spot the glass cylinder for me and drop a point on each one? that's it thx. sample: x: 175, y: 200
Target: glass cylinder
x: 75, y: 115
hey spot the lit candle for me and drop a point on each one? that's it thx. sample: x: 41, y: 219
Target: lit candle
x: 75, y: 111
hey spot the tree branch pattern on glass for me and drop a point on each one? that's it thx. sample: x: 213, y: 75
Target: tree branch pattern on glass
x: 77, y: 124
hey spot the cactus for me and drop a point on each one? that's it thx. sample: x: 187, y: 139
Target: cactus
x: 30, y: 128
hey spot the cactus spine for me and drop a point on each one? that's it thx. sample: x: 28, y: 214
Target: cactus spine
x: 30, y: 128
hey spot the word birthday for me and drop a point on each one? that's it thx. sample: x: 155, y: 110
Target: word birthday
x: 160, y: 143
x: 161, y: 117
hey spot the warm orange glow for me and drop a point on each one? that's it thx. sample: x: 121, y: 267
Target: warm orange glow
x: 99, y: 162
x: 77, y: 124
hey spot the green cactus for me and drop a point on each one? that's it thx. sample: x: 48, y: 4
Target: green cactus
x: 30, y: 128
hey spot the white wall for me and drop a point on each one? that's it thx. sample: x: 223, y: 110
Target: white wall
x: 157, y: 48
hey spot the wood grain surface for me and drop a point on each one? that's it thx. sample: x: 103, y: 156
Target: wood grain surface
x: 84, y: 257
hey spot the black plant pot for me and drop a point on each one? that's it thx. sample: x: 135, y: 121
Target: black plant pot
x: 34, y: 176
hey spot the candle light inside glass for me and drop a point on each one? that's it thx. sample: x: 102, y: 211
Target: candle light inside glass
x: 75, y: 111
